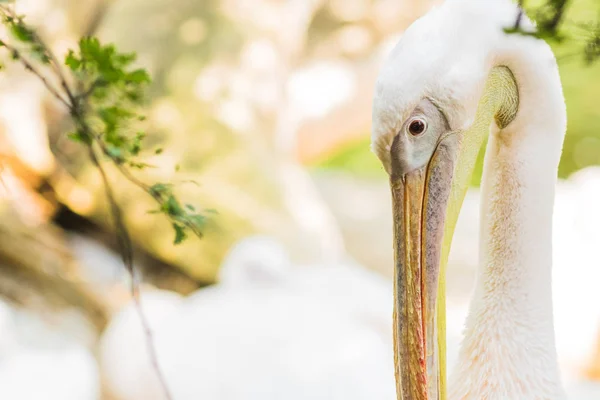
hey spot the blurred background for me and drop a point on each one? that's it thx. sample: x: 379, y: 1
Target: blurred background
x: 266, y: 105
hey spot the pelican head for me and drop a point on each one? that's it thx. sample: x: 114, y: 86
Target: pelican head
x: 435, y: 99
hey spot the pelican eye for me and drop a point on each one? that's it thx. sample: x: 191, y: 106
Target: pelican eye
x: 417, y: 126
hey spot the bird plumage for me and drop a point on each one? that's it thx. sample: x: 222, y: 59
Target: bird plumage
x: 447, y: 56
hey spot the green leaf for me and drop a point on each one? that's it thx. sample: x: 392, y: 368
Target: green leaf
x: 198, y: 220
x: 21, y: 32
x: 160, y: 188
x: 39, y: 51
x: 79, y: 137
x: 172, y: 207
x: 135, y: 95
x: 138, y: 76
x: 111, y: 115
x: 72, y: 61
x: 180, y: 234
x: 190, y: 207
x: 124, y: 59
x: 158, y: 151
x: 89, y: 48
x: 139, y: 165
x: 136, y: 144
x: 113, y: 118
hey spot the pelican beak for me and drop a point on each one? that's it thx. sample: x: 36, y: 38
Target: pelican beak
x: 421, y: 199
x: 426, y: 203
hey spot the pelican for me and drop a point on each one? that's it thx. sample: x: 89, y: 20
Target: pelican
x: 454, y: 78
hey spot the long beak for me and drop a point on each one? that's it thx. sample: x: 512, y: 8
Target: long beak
x: 426, y: 204
x: 420, y: 201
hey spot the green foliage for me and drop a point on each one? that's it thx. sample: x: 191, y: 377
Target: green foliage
x: 183, y: 217
x: 553, y: 26
x: 105, y: 111
x: 180, y: 234
x: 591, y: 50
x: 107, y: 71
x: 25, y: 35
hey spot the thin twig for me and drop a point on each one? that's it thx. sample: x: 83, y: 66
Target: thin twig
x: 519, y: 16
x: 56, y: 66
x: 84, y: 95
x: 137, y: 182
x: 29, y: 67
x: 98, y: 16
x: 126, y: 250
x: 558, y: 11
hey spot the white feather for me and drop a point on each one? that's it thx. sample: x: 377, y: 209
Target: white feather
x: 509, y: 346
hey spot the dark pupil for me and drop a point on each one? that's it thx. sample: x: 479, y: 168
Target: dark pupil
x: 417, y: 127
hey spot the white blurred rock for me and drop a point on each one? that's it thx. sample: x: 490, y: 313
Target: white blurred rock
x: 51, y: 372
x: 66, y: 374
